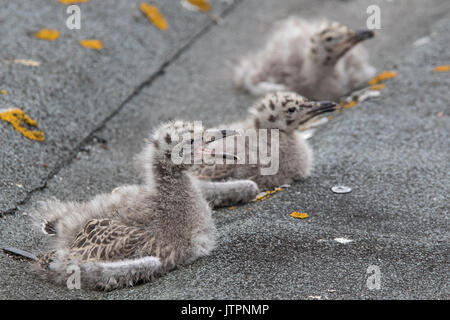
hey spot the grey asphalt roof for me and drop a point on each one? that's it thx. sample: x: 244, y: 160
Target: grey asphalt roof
x: 96, y: 109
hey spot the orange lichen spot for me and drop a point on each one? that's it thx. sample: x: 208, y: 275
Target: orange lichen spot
x: 383, y: 76
x: 47, y: 34
x: 202, y: 5
x: 3, y: 92
x: 349, y: 105
x: 73, y: 1
x: 377, y: 87
x: 330, y: 117
x: 153, y: 14
x: 18, y: 119
x: 299, y: 215
x: 267, y: 194
x: 445, y: 68
x: 92, y: 44
x: 260, y: 198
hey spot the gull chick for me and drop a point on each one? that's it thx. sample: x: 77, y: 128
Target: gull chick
x: 139, y: 232
x: 283, y: 112
x: 317, y: 59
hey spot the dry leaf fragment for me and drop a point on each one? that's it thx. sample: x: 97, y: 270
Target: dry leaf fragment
x: 153, y: 14
x: 299, y: 215
x: 73, y: 1
x: 367, y: 94
x: 18, y: 118
x: 27, y: 62
x: 444, y: 68
x: 202, y: 5
x: 47, y: 34
x: 383, y: 76
x: 92, y: 44
x: 440, y: 114
x: 343, y: 240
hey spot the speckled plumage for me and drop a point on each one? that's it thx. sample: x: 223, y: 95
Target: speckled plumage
x: 284, y: 111
x: 138, y: 232
x: 319, y: 59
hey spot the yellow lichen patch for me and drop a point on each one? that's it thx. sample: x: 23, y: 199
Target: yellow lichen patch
x: 349, y: 105
x: 267, y: 194
x: 153, y: 14
x: 3, y: 92
x: 92, y: 44
x: 47, y: 34
x: 18, y: 118
x: 232, y: 208
x: 27, y: 62
x: 377, y: 87
x: 445, y: 68
x: 274, y: 190
x: 73, y: 1
x: 299, y: 215
x: 383, y: 76
x: 202, y: 5
x: 260, y: 198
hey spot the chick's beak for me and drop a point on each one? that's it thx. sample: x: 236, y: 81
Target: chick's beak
x: 323, y: 107
x: 362, y: 35
x: 319, y: 108
x: 214, y: 135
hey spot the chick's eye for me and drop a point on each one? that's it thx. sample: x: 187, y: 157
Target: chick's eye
x: 328, y: 39
x: 192, y: 141
x: 292, y: 109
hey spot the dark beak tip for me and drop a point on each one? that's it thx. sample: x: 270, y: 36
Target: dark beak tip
x: 227, y: 133
x: 328, y: 104
x: 365, y: 34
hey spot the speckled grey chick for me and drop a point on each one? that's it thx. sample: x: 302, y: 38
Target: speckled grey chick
x: 270, y: 129
x: 132, y: 235
x: 318, y: 59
